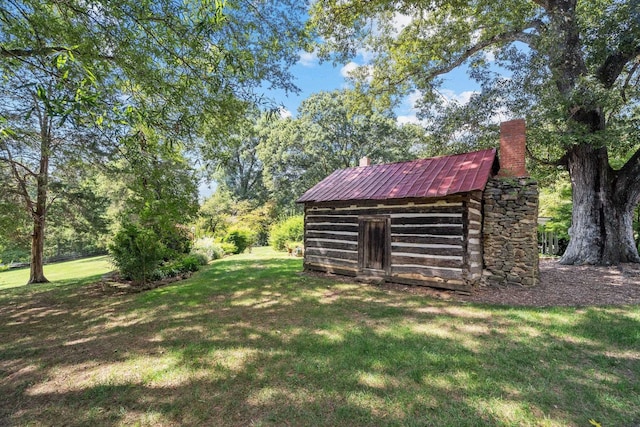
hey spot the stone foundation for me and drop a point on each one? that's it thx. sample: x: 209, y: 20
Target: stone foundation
x: 510, y: 241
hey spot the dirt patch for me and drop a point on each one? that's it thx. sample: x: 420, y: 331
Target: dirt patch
x: 560, y: 285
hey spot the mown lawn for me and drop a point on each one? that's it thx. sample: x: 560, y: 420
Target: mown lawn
x: 79, y: 271
x: 252, y: 341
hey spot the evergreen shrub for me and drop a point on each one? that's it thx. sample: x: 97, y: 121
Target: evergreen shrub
x: 136, y: 252
x: 289, y: 230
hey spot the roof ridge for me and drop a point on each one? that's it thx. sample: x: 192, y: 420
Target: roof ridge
x: 419, y: 178
x: 423, y: 159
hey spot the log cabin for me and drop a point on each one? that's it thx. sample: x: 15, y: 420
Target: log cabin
x: 423, y: 222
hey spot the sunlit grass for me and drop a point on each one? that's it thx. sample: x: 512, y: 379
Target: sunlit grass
x: 252, y: 341
x: 60, y: 273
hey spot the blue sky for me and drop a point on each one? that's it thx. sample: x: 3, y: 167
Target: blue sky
x: 311, y: 77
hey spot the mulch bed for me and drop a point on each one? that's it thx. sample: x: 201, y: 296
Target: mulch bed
x: 113, y: 284
x: 559, y: 285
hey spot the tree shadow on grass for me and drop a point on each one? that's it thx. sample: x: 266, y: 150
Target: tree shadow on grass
x: 253, y: 342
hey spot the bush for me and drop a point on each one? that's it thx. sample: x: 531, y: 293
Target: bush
x: 289, y: 230
x: 177, y: 239
x: 136, y: 252
x: 229, y: 248
x: 240, y: 237
x: 185, y: 264
x: 206, y: 246
x: 193, y: 262
x: 15, y: 255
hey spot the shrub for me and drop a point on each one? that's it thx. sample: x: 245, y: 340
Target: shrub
x: 289, y: 230
x: 136, y: 252
x: 193, y: 262
x: 229, y: 248
x: 240, y: 237
x: 185, y: 264
x: 177, y: 239
x: 206, y: 246
x: 15, y: 255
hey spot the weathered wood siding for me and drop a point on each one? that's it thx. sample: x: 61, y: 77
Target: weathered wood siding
x: 474, y: 237
x: 432, y: 241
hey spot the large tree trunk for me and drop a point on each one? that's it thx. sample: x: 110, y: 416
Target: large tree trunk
x: 37, y: 252
x: 603, y: 199
x: 602, y: 220
x: 39, y: 211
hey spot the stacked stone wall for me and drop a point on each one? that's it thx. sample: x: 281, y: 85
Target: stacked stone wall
x: 510, y: 241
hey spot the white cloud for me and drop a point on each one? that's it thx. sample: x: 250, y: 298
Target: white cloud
x: 308, y: 59
x: 460, y: 98
x: 409, y: 108
x: 403, y: 120
x: 355, y: 70
x: 347, y: 69
x: 400, y: 21
x: 284, y: 113
x: 413, y: 99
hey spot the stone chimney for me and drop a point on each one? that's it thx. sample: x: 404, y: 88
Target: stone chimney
x: 365, y: 161
x: 512, y: 149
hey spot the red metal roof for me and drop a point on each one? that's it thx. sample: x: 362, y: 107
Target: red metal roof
x: 434, y: 177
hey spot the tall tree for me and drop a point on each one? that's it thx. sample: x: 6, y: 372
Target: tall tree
x: 332, y: 131
x: 40, y: 139
x: 572, y: 69
x: 162, y: 193
x: 171, y: 65
x: 232, y: 161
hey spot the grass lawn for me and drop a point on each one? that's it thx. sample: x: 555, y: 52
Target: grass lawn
x: 252, y: 341
x: 82, y: 270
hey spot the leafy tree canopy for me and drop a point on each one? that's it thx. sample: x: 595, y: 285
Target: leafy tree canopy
x: 134, y: 71
x: 570, y: 67
x: 332, y: 131
x: 186, y: 57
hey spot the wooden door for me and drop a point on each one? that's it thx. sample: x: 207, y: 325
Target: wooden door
x: 373, y: 242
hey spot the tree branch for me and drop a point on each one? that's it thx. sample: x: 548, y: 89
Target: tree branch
x: 28, y: 53
x: 43, y: 51
x: 14, y: 163
x: 511, y: 36
x: 623, y: 91
x: 22, y: 181
x: 614, y: 64
x: 628, y: 178
x: 562, y: 161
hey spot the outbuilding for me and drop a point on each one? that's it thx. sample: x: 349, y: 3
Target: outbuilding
x: 428, y: 221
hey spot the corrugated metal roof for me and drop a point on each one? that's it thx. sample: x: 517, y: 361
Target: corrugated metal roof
x: 434, y: 177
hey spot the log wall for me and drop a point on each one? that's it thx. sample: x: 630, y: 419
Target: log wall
x: 433, y: 242
x: 474, y: 237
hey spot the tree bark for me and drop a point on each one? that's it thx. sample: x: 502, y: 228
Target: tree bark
x: 39, y: 211
x: 37, y: 251
x: 39, y: 221
x: 602, y: 219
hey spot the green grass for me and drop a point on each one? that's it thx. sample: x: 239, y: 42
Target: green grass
x: 252, y: 341
x: 82, y: 270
